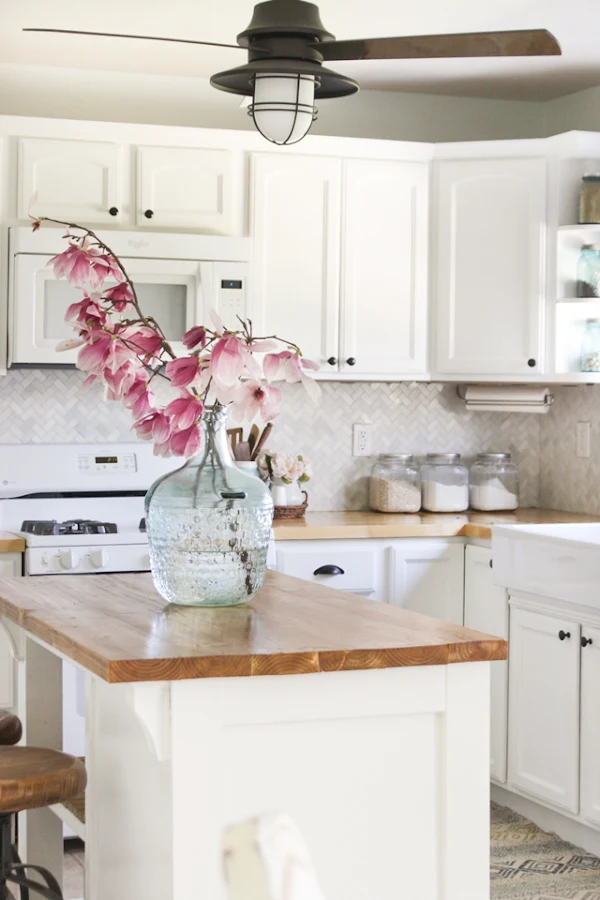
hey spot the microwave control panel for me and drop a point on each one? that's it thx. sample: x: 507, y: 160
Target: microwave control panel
x: 230, y: 290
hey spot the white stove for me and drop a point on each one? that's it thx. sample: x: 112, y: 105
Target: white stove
x: 80, y: 508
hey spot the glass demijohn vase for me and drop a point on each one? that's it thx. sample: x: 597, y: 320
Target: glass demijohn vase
x: 209, y: 525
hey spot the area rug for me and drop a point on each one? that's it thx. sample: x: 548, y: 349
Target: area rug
x: 530, y: 864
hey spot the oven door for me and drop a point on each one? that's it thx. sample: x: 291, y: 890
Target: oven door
x: 171, y: 291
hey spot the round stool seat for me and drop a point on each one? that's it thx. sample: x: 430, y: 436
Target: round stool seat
x: 31, y: 777
x: 11, y: 729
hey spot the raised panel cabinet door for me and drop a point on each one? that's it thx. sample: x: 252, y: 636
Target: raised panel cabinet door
x: 189, y: 187
x: 486, y: 609
x: 426, y: 576
x: 296, y: 221
x: 384, y: 267
x: 590, y: 725
x: 77, y: 181
x: 543, y: 724
x: 489, y: 264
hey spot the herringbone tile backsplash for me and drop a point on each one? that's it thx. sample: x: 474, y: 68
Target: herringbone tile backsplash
x: 41, y: 406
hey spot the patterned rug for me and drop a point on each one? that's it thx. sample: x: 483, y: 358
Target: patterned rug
x: 530, y: 864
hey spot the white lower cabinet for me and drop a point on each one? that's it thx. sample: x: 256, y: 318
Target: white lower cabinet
x: 544, y: 706
x: 486, y: 609
x: 590, y: 725
x: 346, y: 565
x: 426, y: 576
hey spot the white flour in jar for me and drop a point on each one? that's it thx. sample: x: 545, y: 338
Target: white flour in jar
x: 492, y: 496
x: 393, y: 495
x: 445, y: 497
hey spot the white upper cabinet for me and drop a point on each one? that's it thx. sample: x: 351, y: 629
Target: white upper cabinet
x: 76, y: 181
x: 189, y: 187
x: 590, y: 725
x: 486, y: 609
x: 543, y: 750
x: 296, y: 221
x: 489, y: 266
x: 384, y: 267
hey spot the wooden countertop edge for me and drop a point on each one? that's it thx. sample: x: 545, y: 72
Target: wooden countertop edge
x: 11, y: 543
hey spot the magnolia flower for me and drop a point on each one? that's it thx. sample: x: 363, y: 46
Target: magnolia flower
x: 194, y: 337
x: 182, y: 371
x: 103, y: 352
x: 154, y: 427
x: 86, y: 312
x: 139, y: 398
x: 81, y: 263
x: 120, y: 296
x: 290, y: 367
x: 70, y: 344
x: 184, y: 412
x: 119, y: 382
x: 185, y: 443
x: 146, y: 341
x: 227, y: 360
x: 252, y: 399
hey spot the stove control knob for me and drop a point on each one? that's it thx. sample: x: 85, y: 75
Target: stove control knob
x: 99, y: 559
x: 68, y: 559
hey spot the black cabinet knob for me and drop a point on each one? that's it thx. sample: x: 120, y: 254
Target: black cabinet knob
x: 332, y: 361
x: 113, y: 211
x: 563, y: 634
x: 149, y: 213
x: 328, y: 570
x: 531, y: 363
x: 351, y: 361
x: 585, y: 641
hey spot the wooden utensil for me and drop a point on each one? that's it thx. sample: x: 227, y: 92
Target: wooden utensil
x: 235, y: 435
x: 242, y: 451
x: 262, y: 440
x: 253, y: 437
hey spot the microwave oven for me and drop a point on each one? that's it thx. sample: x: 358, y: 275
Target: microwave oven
x: 179, y: 278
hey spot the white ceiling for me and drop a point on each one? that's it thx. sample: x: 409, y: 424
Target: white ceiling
x: 576, y: 24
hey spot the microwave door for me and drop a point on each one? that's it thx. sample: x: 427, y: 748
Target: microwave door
x: 168, y: 290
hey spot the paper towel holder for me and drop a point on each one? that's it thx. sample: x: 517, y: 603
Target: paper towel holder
x: 506, y: 397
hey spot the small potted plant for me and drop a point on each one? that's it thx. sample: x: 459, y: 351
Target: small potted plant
x: 286, y: 473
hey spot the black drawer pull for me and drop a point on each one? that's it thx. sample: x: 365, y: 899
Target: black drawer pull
x: 531, y: 363
x: 332, y: 361
x: 113, y: 211
x: 563, y: 634
x: 329, y: 570
x: 233, y: 495
x: 351, y: 361
x: 585, y: 641
x: 149, y: 213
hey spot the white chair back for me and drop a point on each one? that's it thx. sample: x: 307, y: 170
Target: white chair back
x: 267, y: 859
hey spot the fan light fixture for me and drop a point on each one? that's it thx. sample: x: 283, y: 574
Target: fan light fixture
x: 287, y: 45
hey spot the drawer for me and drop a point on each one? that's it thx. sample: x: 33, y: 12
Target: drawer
x: 328, y: 563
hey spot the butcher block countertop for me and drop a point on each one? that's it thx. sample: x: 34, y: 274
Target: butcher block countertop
x: 119, y: 628
x: 11, y: 543
x: 353, y: 524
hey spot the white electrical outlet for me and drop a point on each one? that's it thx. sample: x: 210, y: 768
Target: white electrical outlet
x: 583, y: 439
x: 361, y: 439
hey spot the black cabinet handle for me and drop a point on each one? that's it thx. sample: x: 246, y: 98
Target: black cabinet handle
x: 351, y: 361
x: 332, y: 361
x: 113, y: 211
x: 491, y: 563
x: 149, y: 213
x: 531, y: 363
x: 563, y: 634
x: 329, y: 570
x: 585, y: 641
x: 233, y: 495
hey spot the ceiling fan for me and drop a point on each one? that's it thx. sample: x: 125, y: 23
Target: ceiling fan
x: 287, y: 45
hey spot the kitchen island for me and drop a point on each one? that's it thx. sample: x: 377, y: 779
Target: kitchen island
x: 369, y: 724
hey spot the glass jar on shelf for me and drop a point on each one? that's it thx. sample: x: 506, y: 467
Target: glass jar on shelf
x: 493, y: 482
x: 590, y: 346
x: 589, y: 199
x: 395, y: 484
x: 444, y: 483
x: 588, y: 271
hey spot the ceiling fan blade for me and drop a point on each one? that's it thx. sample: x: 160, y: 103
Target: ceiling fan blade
x: 137, y: 37
x: 434, y: 46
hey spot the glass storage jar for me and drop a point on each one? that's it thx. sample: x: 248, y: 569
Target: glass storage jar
x: 444, y: 483
x: 590, y: 347
x: 589, y: 199
x: 493, y: 482
x: 395, y: 483
x: 588, y: 271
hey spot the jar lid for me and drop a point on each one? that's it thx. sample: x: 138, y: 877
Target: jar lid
x: 590, y: 246
x: 443, y: 457
x: 493, y: 457
x: 591, y: 176
x: 396, y: 457
x: 592, y: 321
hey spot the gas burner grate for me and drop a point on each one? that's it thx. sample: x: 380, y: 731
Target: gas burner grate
x: 71, y: 526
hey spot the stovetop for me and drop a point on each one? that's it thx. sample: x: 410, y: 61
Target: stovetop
x: 70, y: 527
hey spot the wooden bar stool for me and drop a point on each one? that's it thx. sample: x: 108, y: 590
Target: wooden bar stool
x: 30, y: 777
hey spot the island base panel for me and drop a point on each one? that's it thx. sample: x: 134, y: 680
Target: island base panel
x: 385, y: 771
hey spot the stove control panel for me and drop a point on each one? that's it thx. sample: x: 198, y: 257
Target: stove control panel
x: 119, y: 463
